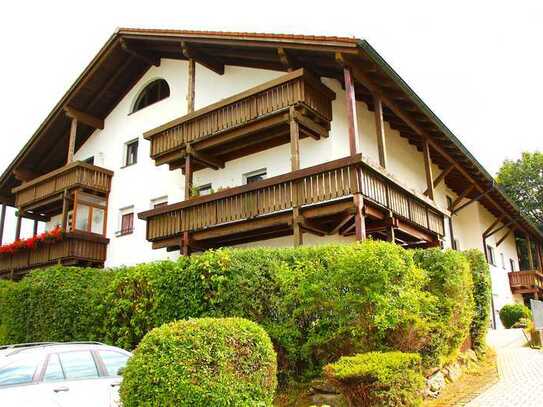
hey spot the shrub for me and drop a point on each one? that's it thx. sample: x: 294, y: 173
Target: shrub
x: 55, y: 304
x: 202, y: 362
x: 482, y: 296
x: 449, y: 318
x: 378, y: 379
x: 512, y: 313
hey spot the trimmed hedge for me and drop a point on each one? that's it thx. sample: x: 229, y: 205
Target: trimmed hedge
x: 379, y: 379
x: 510, y: 314
x: 316, y: 303
x: 482, y: 296
x: 202, y: 362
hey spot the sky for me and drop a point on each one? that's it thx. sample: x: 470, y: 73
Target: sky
x: 477, y: 64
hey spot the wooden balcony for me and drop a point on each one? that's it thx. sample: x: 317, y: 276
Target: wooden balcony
x: 526, y: 282
x: 248, y: 122
x: 324, y: 193
x: 75, y: 248
x: 49, y: 187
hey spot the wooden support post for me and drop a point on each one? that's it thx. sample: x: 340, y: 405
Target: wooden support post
x: 65, y: 210
x: 358, y: 201
x: 2, y: 222
x: 191, y: 86
x: 391, y: 233
x: 354, y: 142
x: 71, y: 143
x: 428, y: 169
x: 380, y: 128
x: 295, y: 165
x: 18, y: 226
x: 540, y: 256
x: 35, y: 229
x: 530, y: 255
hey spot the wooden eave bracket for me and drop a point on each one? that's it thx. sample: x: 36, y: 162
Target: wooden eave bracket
x: 288, y: 61
x: 149, y: 59
x: 205, y: 60
x: 204, y: 158
x: 85, y: 118
x: 24, y: 174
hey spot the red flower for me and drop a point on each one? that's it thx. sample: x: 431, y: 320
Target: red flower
x: 53, y: 235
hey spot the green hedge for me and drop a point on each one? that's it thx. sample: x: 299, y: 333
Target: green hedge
x: 378, y: 379
x: 316, y: 303
x: 482, y: 296
x: 202, y: 362
x: 450, y: 315
x: 513, y: 313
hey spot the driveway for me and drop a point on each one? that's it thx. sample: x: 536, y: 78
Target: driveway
x: 520, y: 371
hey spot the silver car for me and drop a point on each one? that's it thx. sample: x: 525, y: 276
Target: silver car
x: 82, y: 374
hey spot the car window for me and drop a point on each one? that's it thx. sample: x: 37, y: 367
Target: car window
x: 19, y: 371
x: 78, y: 365
x: 113, y: 361
x: 54, y: 371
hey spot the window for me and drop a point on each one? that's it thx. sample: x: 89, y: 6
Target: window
x: 19, y: 371
x: 491, y: 255
x: 502, y: 258
x: 254, y: 176
x: 54, y: 371
x: 90, y: 213
x: 113, y: 361
x: 89, y: 160
x: 159, y: 202
x: 127, y: 223
x: 131, y: 153
x: 152, y: 93
x: 204, y: 190
x: 512, y: 264
x: 78, y: 365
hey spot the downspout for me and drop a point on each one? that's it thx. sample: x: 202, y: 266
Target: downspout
x: 485, y: 251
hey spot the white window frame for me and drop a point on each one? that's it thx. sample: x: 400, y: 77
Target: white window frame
x: 125, y: 211
x: 159, y: 200
x: 125, y: 152
x: 261, y: 171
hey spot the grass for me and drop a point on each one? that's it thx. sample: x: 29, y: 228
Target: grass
x: 476, y: 379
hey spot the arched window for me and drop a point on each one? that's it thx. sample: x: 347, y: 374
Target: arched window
x: 153, y: 92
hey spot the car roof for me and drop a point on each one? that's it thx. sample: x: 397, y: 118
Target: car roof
x: 52, y: 347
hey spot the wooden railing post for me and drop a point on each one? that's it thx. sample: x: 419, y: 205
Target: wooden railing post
x: 2, y: 222
x: 18, y: 226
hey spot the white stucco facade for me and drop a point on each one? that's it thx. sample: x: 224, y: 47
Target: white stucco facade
x: 135, y: 187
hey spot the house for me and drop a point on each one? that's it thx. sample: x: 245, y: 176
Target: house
x: 173, y: 142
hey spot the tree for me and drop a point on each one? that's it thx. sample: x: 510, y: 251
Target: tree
x: 522, y: 180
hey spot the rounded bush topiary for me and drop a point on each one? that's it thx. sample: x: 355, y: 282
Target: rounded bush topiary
x: 512, y: 313
x: 202, y: 362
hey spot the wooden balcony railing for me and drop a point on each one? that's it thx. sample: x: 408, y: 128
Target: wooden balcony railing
x: 314, y: 185
x: 76, y: 174
x: 74, y: 248
x: 296, y: 88
x: 525, y: 281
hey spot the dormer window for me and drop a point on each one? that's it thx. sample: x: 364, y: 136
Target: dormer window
x: 152, y: 93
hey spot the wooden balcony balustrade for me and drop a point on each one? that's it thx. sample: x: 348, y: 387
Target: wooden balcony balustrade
x: 250, y: 121
x: 524, y: 282
x: 77, y: 174
x: 314, y: 186
x: 75, y: 248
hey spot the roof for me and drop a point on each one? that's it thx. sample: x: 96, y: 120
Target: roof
x: 130, y: 52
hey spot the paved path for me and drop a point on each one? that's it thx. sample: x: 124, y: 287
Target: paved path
x: 520, y: 370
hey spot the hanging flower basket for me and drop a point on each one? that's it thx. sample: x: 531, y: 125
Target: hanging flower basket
x: 32, y: 243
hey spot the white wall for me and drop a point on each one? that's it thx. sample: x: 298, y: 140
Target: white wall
x: 139, y: 184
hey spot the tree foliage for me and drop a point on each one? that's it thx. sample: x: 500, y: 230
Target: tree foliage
x: 522, y: 180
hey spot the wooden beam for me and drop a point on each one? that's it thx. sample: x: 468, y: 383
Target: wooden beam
x: 530, y: 255
x: 351, y: 112
x: 499, y: 242
x: 204, y: 158
x: 311, y: 226
x: 97, y: 98
x: 71, y: 142
x: 428, y: 169
x: 461, y: 197
x: 380, y: 128
x: 150, y: 60
x: 476, y: 199
x: 35, y: 228
x: 286, y: 60
x: 2, y: 222
x: 345, y: 218
x: 317, y: 131
x: 188, y: 177
x: 85, y: 118
x: 492, y: 226
x: 294, y: 166
x: 24, y: 174
x: 505, y: 225
x: 205, y: 60
x: 191, y: 86
x: 18, y: 225
x: 441, y: 177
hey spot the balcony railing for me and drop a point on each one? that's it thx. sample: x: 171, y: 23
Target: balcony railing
x: 74, y: 248
x: 74, y: 175
x: 525, y: 281
x: 238, y: 112
x: 319, y: 184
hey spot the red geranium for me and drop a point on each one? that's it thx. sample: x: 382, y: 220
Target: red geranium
x: 53, y: 235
